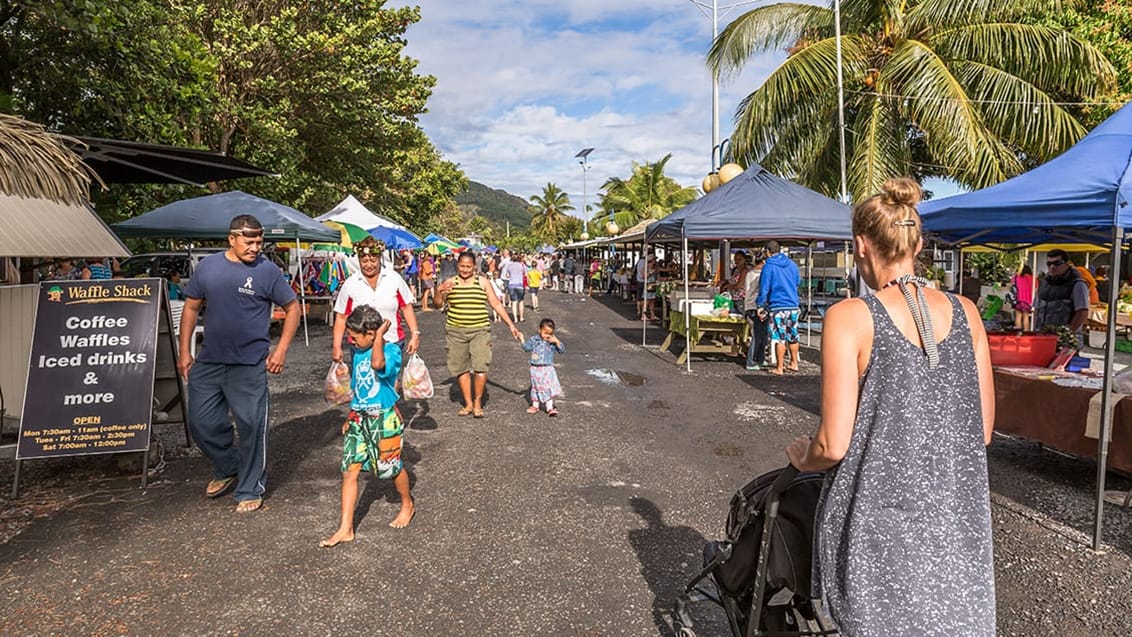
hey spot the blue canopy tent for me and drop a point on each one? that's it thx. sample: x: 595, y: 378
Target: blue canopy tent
x: 754, y: 205
x: 208, y: 217
x: 396, y: 238
x: 1080, y: 196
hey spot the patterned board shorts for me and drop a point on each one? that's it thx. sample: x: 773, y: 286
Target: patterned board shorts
x: 374, y: 440
x: 784, y: 326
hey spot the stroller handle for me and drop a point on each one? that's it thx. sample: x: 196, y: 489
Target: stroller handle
x: 784, y: 479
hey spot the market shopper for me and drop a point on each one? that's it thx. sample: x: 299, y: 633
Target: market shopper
x: 1063, y: 296
x: 778, y: 295
x: 230, y: 374
x: 1022, y: 293
x: 756, y: 350
x: 468, y: 330
x: 382, y: 289
x: 903, y: 528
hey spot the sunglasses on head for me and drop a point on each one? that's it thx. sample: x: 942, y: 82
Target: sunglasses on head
x: 247, y: 233
x: 1054, y: 264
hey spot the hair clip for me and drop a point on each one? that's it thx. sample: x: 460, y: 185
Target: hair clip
x: 905, y: 222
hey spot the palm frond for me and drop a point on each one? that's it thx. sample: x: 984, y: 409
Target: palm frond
x: 1051, y: 59
x: 942, y: 14
x: 1018, y: 112
x: 805, y: 78
x: 36, y: 164
x: 935, y: 101
x: 772, y: 27
x: 880, y: 146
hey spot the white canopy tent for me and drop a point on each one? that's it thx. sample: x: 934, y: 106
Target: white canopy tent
x: 350, y: 210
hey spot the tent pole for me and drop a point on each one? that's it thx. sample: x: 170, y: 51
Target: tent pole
x: 644, y: 294
x: 809, y: 294
x: 302, y: 289
x: 687, y: 305
x: 1106, y: 389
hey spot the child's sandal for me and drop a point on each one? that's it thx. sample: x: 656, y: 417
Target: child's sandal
x: 532, y: 410
x: 551, y: 412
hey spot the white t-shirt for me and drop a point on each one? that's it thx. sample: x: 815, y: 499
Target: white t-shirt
x: 389, y: 295
x: 752, y: 285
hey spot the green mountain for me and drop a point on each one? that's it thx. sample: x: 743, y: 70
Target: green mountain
x: 496, y: 206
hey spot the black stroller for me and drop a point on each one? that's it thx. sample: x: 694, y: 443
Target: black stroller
x: 762, y: 570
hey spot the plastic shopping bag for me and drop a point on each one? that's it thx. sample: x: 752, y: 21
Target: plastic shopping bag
x: 416, y: 383
x: 337, y: 386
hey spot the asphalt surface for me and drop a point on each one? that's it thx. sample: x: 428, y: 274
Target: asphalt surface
x: 586, y: 524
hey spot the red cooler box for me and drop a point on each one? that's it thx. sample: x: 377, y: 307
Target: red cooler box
x: 1010, y: 348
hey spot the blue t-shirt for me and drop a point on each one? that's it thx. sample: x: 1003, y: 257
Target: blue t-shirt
x: 373, y: 389
x: 238, y: 315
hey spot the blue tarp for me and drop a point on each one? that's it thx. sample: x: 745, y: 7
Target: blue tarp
x: 757, y: 205
x: 396, y: 238
x: 1078, y: 196
x: 208, y: 218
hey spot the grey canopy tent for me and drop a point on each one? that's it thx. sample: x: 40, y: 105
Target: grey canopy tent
x: 756, y: 205
x: 1082, y: 195
x: 208, y: 217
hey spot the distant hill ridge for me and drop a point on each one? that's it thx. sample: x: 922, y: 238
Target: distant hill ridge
x: 497, y: 206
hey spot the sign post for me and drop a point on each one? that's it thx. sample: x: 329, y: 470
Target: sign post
x: 90, y: 387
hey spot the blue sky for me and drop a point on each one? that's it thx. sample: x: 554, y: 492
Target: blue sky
x: 523, y: 85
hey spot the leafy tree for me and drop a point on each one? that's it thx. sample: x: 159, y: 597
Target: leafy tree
x: 948, y: 88
x: 548, y: 211
x: 1107, y: 24
x: 322, y: 94
x: 646, y: 194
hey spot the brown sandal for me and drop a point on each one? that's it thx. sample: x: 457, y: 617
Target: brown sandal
x: 477, y: 413
x: 464, y: 411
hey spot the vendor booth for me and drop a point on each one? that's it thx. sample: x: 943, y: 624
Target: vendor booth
x: 1081, y: 196
x: 208, y: 217
x: 756, y: 206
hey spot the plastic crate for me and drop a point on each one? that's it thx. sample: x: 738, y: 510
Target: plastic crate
x: 1022, y: 349
x: 1123, y: 345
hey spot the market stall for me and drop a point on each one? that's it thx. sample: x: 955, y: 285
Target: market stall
x: 755, y: 206
x: 1081, y: 196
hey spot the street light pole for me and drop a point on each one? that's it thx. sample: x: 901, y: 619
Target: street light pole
x: 584, y: 154
x: 840, y: 99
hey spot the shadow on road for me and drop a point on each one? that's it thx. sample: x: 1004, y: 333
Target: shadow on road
x: 800, y: 390
x: 660, y: 549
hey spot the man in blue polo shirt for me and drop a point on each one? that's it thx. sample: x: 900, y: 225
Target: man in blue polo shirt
x: 240, y: 286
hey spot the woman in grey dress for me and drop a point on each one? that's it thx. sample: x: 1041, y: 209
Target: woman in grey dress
x: 903, y: 528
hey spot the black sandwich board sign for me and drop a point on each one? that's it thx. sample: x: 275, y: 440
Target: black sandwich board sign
x: 90, y: 387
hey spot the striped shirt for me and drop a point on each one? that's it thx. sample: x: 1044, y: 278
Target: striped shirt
x: 467, y: 305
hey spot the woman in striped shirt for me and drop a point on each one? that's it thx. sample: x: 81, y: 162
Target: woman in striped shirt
x: 468, y: 329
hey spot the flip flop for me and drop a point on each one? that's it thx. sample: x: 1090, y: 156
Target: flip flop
x: 532, y: 410
x: 464, y: 411
x: 247, y: 506
x: 552, y: 412
x: 219, y: 487
x: 477, y: 413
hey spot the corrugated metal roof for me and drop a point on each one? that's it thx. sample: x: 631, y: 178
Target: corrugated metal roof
x: 42, y: 228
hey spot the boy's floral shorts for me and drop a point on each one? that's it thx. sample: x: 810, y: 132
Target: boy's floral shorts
x: 373, y: 440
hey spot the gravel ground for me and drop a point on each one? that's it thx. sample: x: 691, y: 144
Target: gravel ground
x: 588, y: 524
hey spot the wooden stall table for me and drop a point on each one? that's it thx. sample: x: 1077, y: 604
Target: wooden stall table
x: 715, y: 329
x: 1098, y: 320
x: 1057, y: 416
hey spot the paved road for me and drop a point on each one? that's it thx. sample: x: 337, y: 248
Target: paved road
x: 586, y: 524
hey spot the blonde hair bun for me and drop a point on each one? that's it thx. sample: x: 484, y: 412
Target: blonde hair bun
x: 901, y: 191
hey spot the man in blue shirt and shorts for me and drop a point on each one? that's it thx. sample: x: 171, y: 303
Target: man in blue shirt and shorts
x: 240, y: 286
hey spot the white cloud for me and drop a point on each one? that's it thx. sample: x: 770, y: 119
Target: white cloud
x: 522, y: 85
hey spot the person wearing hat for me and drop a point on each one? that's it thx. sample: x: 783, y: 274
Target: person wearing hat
x: 230, y: 373
x: 382, y: 289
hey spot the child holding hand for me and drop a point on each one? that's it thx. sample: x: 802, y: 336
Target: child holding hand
x: 544, y: 378
x: 373, y: 429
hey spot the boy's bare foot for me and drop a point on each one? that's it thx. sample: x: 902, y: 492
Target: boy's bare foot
x: 338, y: 538
x: 404, y: 517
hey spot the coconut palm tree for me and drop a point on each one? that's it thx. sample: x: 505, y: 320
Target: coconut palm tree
x: 548, y: 210
x: 951, y: 88
x: 647, y: 194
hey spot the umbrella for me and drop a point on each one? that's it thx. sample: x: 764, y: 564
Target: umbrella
x: 351, y: 234
x: 432, y: 238
x: 396, y: 238
x: 441, y: 245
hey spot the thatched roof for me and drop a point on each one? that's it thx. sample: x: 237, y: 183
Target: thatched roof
x: 36, y: 164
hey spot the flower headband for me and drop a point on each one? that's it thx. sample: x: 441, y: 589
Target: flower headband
x: 369, y: 247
